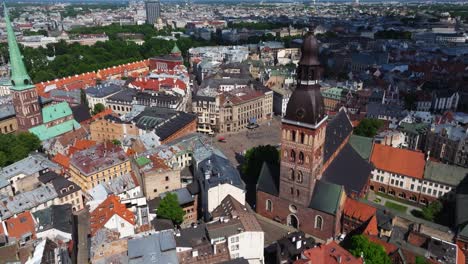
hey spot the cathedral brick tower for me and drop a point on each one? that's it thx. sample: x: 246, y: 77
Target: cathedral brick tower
x: 25, y: 98
x: 295, y: 193
x: 303, y: 130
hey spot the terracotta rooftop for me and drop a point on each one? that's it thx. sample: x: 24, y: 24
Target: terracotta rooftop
x: 81, y: 144
x: 62, y: 160
x: 21, y: 225
x: 389, y: 248
x: 329, y: 254
x: 102, y: 114
x: 357, y: 210
x: 108, y: 208
x: 371, y: 227
x: 399, y: 161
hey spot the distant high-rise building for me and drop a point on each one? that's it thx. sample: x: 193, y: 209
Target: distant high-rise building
x: 153, y: 11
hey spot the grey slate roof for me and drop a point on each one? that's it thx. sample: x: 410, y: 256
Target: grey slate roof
x: 348, y: 169
x: 62, y: 186
x: 155, y: 248
x: 34, y: 163
x: 192, y: 236
x: 374, y: 110
x: 444, y: 173
x: 326, y: 197
x: 461, y: 214
x: 183, y: 195
x: 7, y: 111
x: 125, y: 95
x: 338, y: 129
x: 220, y: 170
x: 268, y: 181
x: 104, y: 90
x: 81, y: 113
x: 58, y: 217
x: 164, y: 121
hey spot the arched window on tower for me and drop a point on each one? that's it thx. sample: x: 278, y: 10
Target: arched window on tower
x: 318, y: 222
x: 269, y: 205
x: 299, y: 177
x: 302, y: 138
x: 292, y: 157
x: 293, y: 136
x: 291, y: 174
x: 301, y: 158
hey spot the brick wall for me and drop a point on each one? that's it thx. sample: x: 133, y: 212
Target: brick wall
x: 187, y: 129
x: 419, y: 197
x: 307, y: 217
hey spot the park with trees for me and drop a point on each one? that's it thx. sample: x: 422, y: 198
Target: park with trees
x: 15, y: 147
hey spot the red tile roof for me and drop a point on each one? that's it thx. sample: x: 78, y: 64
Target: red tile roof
x: 371, y: 227
x: 329, y: 254
x: 108, y: 208
x: 102, y: 114
x: 389, y: 248
x: 62, y: 160
x: 80, y: 81
x: 128, y: 68
x: 81, y: 145
x: 460, y: 256
x: 357, y: 210
x: 21, y: 225
x: 399, y: 161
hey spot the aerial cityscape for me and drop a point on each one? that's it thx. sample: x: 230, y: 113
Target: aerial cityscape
x: 256, y: 132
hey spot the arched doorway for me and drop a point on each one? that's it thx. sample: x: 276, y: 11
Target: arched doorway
x: 293, y: 221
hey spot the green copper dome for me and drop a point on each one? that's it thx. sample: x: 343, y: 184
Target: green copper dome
x: 20, y: 79
x: 175, y: 50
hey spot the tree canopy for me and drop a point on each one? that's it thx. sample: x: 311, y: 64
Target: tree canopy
x: 98, y: 108
x: 169, y: 208
x: 372, y: 252
x: 430, y: 211
x: 253, y: 161
x: 368, y: 127
x: 16, y: 147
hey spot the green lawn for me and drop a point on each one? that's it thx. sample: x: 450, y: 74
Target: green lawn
x: 395, y: 206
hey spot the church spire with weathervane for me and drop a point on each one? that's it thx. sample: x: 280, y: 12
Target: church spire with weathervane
x: 25, y: 98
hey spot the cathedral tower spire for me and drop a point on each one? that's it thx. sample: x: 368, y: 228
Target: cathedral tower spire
x: 25, y: 99
x: 303, y: 130
x: 19, y: 76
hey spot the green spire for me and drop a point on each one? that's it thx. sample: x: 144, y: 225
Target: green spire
x: 20, y: 79
x: 175, y: 50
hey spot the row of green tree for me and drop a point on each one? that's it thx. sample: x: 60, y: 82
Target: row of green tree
x: 62, y: 59
x: 14, y: 147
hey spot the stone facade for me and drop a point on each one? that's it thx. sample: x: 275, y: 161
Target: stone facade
x: 157, y: 181
x: 8, y: 125
x: 104, y: 130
